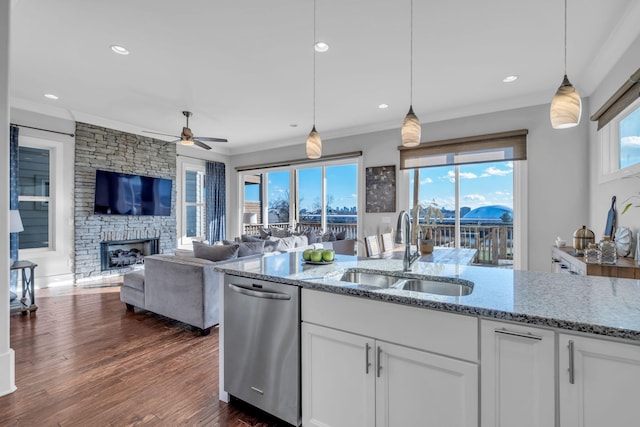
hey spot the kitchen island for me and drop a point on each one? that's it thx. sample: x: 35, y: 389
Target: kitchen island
x: 557, y: 323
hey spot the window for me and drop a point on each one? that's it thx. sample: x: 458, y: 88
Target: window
x: 194, y: 203
x: 34, y: 197
x: 322, y: 197
x: 620, y: 145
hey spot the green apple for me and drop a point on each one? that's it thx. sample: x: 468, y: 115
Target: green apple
x: 306, y: 255
x: 316, y: 255
x: 327, y: 255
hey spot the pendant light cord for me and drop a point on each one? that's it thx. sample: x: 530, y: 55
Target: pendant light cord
x: 411, y: 55
x: 314, y: 63
x: 565, y: 37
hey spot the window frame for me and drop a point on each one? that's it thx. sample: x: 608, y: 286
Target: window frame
x: 185, y: 242
x: 55, y: 177
x: 610, y: 148
x: 293, y: 190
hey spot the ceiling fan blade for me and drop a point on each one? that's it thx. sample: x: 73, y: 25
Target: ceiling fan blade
x: 158, y: 133
x: 205, y: 138
x: 201, y: 144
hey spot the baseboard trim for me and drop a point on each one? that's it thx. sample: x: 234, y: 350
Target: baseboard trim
x: 7, y: 373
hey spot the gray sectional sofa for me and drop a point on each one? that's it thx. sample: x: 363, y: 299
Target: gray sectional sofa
x: 183, y: 287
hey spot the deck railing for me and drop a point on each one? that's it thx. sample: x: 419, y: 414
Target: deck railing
x: 494, y: 242
x: 350, y: 230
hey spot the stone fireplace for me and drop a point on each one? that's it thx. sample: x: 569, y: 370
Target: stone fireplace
x: 108, y: 149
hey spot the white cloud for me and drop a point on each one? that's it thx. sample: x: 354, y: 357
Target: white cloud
x: 491, y: 171
x: 630, y: 141
x: 427, y: 180
x: 474, y: 198
x: 451, y: 175
x: 509, y: 165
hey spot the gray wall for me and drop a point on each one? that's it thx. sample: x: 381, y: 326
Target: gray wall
x: 112, y: 150
x: 557, y: 177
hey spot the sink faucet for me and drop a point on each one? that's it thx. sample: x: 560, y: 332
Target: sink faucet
x: 408, y: 258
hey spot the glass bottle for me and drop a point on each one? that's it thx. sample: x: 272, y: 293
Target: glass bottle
x: 592, y: 254
x: 609, y: 253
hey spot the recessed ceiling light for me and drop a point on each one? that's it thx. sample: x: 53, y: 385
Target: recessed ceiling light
x: 51, y: 96
x: 321, y: 47
x: 383, y: 106
x: 120, y: 50
x: 510, y: 79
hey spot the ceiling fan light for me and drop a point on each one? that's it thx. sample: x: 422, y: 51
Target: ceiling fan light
x: 566, y: 106
x: 186, y: 142
x: 314, y: 144
x: 411, y: 129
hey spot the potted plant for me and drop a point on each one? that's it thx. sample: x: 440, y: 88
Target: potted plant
x: 425, y: 232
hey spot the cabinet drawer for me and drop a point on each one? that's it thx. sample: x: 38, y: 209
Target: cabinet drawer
x: 449, y: 334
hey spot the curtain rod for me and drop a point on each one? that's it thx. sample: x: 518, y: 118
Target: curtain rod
x: 299, y: 161
x: 44, y: 130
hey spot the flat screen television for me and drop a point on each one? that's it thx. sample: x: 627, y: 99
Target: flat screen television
x: 125, y: 194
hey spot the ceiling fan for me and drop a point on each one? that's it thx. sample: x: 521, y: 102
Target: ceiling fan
x: 187, y: 138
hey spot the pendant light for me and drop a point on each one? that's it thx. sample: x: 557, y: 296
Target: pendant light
x: 411, y: 128
x: 566, y: 105
x: 314, y: 143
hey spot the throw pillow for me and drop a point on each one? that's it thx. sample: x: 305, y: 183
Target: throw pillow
x: 280, y: 232
x: 284, y: 242
x: 264, y: 233
x: 312, y: 237
x: 341, y: 235
x: 215, y: 252
x: 247, y: 248
x: 270, y: 246
x: 329, y: 236
x: 250, y: 238
x: 300, y: 241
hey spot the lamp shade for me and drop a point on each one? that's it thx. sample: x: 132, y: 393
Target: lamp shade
x: 314, y: 144
x: 411, y: 129
x: 15, y: 222
x: 249, y: 218
x: 566, y: 106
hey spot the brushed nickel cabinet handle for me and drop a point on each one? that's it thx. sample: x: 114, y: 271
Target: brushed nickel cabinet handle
x: 379, y: 356
x: 367, y: 363
x: 571, y: 364
x: 528, y: 335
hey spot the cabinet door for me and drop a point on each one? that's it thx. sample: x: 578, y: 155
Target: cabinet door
x: 599, y: 382
x: 417, y: 388
x: 517, y: 372
x: 338, y: 381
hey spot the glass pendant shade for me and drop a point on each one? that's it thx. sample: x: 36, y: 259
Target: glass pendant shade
x: 566, y: 106
x: 185, y: 141
x: 314, y: 144
x: 411, y: 129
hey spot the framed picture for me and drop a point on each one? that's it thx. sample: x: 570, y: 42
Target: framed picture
x: 381, y: 189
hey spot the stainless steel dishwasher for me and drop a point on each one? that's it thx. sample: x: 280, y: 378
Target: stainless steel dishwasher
x: 262, y: 345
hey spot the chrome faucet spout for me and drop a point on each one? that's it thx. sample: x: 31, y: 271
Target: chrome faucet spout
x: 404, y: 222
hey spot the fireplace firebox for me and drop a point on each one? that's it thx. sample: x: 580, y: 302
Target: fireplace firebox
x: 116, y: 254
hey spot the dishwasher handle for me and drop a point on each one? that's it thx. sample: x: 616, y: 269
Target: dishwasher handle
x: 259, y: 294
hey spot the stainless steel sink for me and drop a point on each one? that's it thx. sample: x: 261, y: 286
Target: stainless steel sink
x: 435, y: 287
x: 457, y: 287
x: 366, y: 278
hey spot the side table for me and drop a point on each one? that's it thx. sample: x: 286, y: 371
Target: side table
x: 27, y: 303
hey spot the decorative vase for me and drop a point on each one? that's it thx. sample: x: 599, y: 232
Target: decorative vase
x: 426, y: 246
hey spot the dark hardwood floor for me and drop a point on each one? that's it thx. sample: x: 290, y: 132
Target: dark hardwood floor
x: 83, y: 360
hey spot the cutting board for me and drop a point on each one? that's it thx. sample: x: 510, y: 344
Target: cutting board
x: 611, y: 219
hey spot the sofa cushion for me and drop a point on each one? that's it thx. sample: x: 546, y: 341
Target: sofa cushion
x: 341, y: 235
x: 134, y: 279
x: 251, y: 238
x: 215, y: 252
x: 329, y: 236
x: 280, y: 232
x: 264, y: 232
x: 283, y: 242
x: 247, y: 248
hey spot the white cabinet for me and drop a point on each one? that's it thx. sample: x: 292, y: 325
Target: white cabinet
x: 357, y: 377
x: 517, y: 370
x: 599, y: 382
x: 338, y: 381
x: 418, y: 388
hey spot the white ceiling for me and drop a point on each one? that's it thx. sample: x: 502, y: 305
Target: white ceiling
x: 245, y: 68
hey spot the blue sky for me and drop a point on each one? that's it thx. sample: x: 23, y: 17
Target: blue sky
x: 630, y: 139
x: 480, y: 185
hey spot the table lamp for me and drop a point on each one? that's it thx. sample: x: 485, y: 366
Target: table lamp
x: 15, y: 226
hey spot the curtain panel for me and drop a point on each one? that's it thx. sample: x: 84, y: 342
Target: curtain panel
x: 215, y: 187
x: 13, y: 204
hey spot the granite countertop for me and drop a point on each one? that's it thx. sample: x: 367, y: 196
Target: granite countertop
x: 591, y: 304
